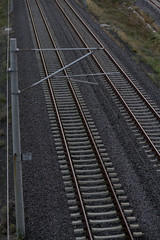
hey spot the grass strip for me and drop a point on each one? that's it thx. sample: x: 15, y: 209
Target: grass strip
x: 134, y: 27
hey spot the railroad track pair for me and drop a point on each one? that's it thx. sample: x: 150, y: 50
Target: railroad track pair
x: 140, y: 107
x: 98, y: 204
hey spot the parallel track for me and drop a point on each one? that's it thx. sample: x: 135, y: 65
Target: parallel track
x: 156, y: 3
x: 144, y: 113
x: 94, y: 193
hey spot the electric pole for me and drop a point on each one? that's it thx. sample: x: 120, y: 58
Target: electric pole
x: 18, y: 188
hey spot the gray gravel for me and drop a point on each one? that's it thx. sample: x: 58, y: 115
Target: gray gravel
x: 47, y: 214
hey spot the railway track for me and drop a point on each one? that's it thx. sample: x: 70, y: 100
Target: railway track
x: 98, y: 204
x: 140, y: 110
x: 156, y: 3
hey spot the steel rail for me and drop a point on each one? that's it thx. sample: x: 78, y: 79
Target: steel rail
x: 154, y: 3
x: 116, y: 91
x: 61, y: 127
x: 93, y: 143
x: 114, y: 61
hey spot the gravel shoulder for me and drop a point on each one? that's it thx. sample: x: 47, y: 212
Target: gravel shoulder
x: 46, y: 210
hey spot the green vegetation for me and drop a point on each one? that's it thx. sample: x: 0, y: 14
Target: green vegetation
x: 134, y: 27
